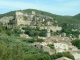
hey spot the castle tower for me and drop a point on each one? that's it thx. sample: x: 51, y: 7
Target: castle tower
x: 48, y: 30
x: 18, y: 18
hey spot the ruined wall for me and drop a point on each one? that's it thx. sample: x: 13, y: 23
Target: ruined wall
x: 34, y: 19
x: 18, y: 18
x: 22, y: 19
x: 53, y: 28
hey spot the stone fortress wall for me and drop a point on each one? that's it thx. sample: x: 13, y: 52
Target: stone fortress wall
x: 53, y: 28
x: 34, y: 19
x: 19, y: 17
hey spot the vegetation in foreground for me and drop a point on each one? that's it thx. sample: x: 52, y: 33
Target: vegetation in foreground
x: 13, y: 47
x: 76, y: 43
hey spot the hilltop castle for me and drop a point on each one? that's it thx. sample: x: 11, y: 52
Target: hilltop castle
x: 33, y: 19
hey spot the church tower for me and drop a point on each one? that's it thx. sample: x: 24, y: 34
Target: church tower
x: 48, y: 30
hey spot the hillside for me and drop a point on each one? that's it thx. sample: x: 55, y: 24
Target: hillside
x: 11, y: 13
x: 77, y: 16
x: 59, y: 18
x: 30, y: 43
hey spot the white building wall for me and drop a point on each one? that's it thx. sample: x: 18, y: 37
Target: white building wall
x: 61, y: 47
x: 76, y: 56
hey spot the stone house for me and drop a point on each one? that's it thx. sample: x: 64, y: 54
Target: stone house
x: 24, y: 36
x: 75, y: 49
x: 76, y: 56
x: 44, y: 47
x: 61, y: 47
x: 63, y: 58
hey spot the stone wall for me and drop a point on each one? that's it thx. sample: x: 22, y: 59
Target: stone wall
x: 34, y: 19
x: 24, y: 19
x: 53, y: 28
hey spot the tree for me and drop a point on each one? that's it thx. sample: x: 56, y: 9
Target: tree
x: 17, y: 52
x: 5, y: 52
x: 76, y: 43
x: 17, y: 31
x: 8, y: 32
x: 51, y: 46
x: 11, y: 22
x: 66, y: 54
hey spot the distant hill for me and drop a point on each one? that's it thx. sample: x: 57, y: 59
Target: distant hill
x: 77, y: 16
x: 11, y: 13
x: 61, y: 19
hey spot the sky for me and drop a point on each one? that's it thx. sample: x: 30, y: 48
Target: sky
x: 59, y: 7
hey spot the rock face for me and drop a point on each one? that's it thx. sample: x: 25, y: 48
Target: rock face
x: 5, y: 19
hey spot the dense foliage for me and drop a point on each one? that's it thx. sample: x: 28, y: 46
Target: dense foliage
x: 67, y: 28
x: 13, y: 47
x: 77, y: 16
x: 51, y: 46
x: 16, y: 48
x: 9, y: 30
x: 34, y: 31
x: 7, y: 14
x: 76, y: 43
x: 64, y: 54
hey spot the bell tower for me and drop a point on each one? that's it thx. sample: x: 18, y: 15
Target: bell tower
x: 48, y: 29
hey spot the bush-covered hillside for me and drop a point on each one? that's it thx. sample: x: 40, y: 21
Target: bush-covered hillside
x: 11, y: 13
x: 60, y: 19
x: 77, y: 16
x: 16, y: 48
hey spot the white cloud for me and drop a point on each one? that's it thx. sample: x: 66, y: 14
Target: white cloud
x: 57, y: 7
x: 20, y: 5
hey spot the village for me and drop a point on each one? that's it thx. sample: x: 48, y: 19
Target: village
x: 61, y: 42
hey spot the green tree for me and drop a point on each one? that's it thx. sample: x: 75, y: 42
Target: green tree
x: 11, y: 22
x: 76, y: 43
x: 66, y: 54
x: 17, y: 31
x: 8, y: 32
x: 51, y: 46
x: 17, y: 52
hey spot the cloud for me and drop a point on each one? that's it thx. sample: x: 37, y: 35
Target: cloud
x: 53, y: 6
x: 10, y: 4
